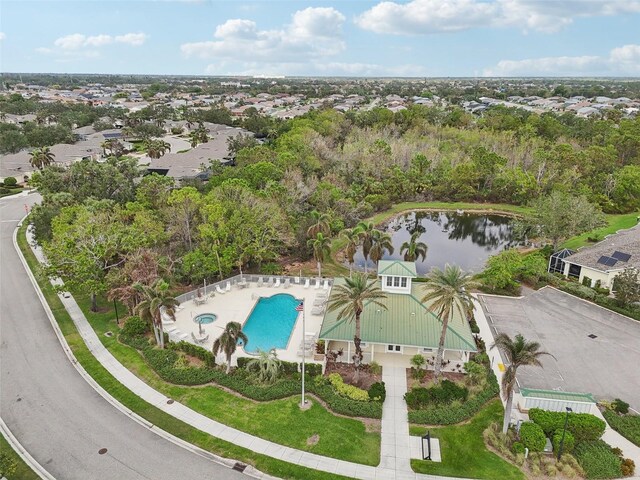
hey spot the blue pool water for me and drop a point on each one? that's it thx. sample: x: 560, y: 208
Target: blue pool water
x: 205, y: 318
x: 270, y: 323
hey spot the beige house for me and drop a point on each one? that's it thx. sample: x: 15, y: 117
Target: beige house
x: 603, y: 261
x: 406, y: 327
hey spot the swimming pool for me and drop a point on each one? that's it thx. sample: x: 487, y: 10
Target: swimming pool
x: 205, y: 318
x: 270, y: 323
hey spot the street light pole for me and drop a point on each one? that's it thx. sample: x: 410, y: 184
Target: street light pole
x: 115, y: 306
x: 304, y: 353
x: 564, y: 431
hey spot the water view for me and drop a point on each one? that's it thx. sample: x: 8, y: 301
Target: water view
x: 464, y: 239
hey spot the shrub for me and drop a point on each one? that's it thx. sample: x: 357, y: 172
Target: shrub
x: 474, y: 326
x: 597, y: 460
x: 347, y: 390
x: 375, y: 368
x: 444, y: 393
x: 568, y: 444
x: 135, y: 326
x: 418, y: 361
x: 166, y: 364
x: 476, y: 373
x: 10, y: 182
x: 628, y: 467
x: 481, y: 359
x: 584, y: 427
x: 620, y: 406
x: 626, y: 425
x: 450, y: 414
x: 586, y: 281
x: 532, y: 436
x: 377, y: 392
x: 195, y: 351
x: 517, y: 447
x: 8, y: 465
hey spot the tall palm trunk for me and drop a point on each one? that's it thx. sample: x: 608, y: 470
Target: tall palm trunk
x: 228, y: 364
x: 319, y: 269
x: 507, y: 412
x: 94, y: 302
x: 440, y: 354
x: 157, y: 324
x: 357, y: 358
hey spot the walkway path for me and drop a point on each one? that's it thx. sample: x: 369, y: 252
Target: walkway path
x: 395, y: 451
x: 237, y: 437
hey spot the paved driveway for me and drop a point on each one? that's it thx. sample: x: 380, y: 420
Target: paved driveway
x: 608, y: 366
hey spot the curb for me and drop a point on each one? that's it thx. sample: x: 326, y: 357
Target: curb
x: 23, y: 453
x: 229, y: 463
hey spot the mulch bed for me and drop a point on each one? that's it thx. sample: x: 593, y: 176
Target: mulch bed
x: 347, y: 370
x: 427, y: 380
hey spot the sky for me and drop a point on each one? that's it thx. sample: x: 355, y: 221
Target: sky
x: 396, y: 38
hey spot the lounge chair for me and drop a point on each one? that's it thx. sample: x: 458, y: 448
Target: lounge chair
x: 321, y: 295
x: 317, y: 310
x: 212, y: 294
x: 296, y: 281
x: 326, y: 285
x: 260, y: 281
x: 317, y: 284
x: 319, y: 302
x: 306, y: 283
x: 200, y: 300
x: 242, y: 283
x: 277, y: 284
x: 228, y: 287
x: 220, y: 290
x: 287, y: 282
x: 270, y: 282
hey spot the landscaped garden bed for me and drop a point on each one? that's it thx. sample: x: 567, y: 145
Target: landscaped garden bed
x: 623, y: 421
x: 368, y: 374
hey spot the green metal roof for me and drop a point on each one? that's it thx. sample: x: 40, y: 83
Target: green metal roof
x: 554, y: 395
x: 406, y: 321
x: 397, y: 268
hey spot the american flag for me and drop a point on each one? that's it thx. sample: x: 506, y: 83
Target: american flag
x: 300, y: 307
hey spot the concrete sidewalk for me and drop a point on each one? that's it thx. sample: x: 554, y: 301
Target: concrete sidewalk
x: 386, y: 470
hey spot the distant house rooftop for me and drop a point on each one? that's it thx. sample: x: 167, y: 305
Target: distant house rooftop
x: 397, y: 268
x: 616, y: 252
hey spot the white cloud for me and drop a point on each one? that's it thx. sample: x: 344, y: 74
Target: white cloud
x: 436, y: 16
x: 2, y: 36
x: 313, y: 33
x: 623, y: 60
x: 77, y: 41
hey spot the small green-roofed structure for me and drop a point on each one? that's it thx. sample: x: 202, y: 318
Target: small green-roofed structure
x: 556, y: 401
x: 406, y: 326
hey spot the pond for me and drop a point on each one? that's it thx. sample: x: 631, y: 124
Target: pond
x: 457, y: 238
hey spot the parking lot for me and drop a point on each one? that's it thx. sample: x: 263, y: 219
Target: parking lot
x: 596, y: 351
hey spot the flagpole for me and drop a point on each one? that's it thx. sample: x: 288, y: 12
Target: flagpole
x: 304, y: 351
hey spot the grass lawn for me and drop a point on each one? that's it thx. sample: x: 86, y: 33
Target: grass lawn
x: 152, y: 414
x: 615, y: 223
x: 464, y: 453
x: 12, y: 191
x: 23, y: 472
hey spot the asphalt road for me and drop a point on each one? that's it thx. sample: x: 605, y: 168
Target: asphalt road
x: 604, y: 364
x: 53, y: 412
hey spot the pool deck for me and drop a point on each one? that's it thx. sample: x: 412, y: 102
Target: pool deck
x: 235, y: 305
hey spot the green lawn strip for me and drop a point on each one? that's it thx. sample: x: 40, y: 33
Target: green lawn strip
x: 464, y: 453
x: 147, y: 411
x: 12, y: 191
x: 23, y: 471
x: 614, y: 223
x: 279, y: 421
x: 626, y: 425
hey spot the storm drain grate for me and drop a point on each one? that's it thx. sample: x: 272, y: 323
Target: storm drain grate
x: 239, y: 467
x: 592, y: 336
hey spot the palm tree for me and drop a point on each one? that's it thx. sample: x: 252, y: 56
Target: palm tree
x: 156, y: 300
x: 414, y: 249
x: 228, y: 341
x: 350, y: 299
x: 321, y: 249
x: 447, y: 291
x: 352, y: 236
x: 365, y: 230
x: 380, y: 242
x: 42, y: 157
x: 267, y: 364
x: 157, y: 148
x: 518, y: 353
x: 320, y: 224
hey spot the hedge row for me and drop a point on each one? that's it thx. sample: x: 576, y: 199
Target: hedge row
x: 584, y: 426
x: 603, y: 300
x: 626, y: 425
x: 598, y: 460
x: 532, y: 437
x: 164, y: 362
x: 288, y: 368
x: 450, y: 414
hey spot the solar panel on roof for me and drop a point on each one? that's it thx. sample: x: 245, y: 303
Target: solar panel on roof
x: 608, y: 261
x: 623, y: 257
x: 112, y: 135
